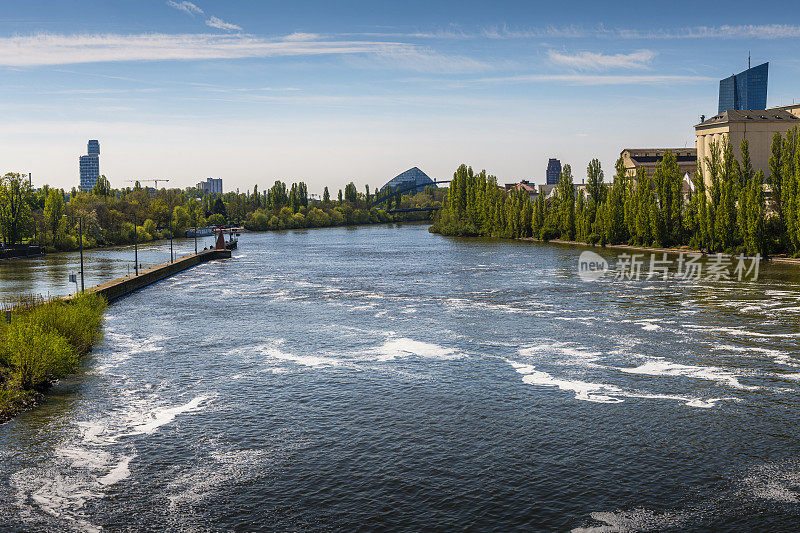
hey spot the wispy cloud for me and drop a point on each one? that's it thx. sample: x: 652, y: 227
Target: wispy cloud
x: 763, y: 31
x: 598, y: 79
x: 299, y: 36
x: 187, y: 7
x: 54, y: 49
x: 193, y: 9
x: 640, y: 59
x: 216, y: 22
x: 421, y: 60
x: 748, y: 31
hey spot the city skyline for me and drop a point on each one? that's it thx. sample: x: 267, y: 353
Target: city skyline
x: 328, y: 95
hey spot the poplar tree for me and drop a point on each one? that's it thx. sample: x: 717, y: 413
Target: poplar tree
x: 566, y: 202
x: 615, y: 230
x: 644, y: 203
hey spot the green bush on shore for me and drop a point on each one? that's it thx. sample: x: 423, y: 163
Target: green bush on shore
x: 44, y: 344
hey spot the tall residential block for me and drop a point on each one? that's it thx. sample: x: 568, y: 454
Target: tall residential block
x: 211, y: 185
x: 744, y: 91
x: 89, y: 166
x: 553, y: 171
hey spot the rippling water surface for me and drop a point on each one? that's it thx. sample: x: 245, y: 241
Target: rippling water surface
x: 383, y: 377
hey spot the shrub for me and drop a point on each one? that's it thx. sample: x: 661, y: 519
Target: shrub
x: 78, y: 321
x: 36, y: 356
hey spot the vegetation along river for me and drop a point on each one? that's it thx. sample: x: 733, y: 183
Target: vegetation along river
x: 384, y: 377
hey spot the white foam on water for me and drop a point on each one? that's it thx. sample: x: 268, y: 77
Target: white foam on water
x: 635, y: 520
x: 162, y: 416
x: 560, y: 348
x: 590, y: 392
x: 466, y: 304
x: 648, y: 326
x: 778, y: 355
x: 118, y: 473
x: 395, y: 347
x: 304, y: 360
x: 203, y: 480
x: 84, y: 457
x: 661, y: 367
x: 777, y: 482
x: 601, y: 392
x: 83, y: 469
x: 741, y: 332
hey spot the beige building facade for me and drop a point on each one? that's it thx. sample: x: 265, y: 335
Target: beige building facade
x: 757, y: 126
x: 650, y: 158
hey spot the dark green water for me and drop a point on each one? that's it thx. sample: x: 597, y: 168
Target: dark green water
x: 386, y: 378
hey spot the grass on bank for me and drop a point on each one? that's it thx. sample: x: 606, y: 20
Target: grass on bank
x: 43, y: 344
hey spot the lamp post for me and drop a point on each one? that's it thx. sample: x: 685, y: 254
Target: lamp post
x: 195, y: 233
x: 80, y: 239
x: 135, y: 244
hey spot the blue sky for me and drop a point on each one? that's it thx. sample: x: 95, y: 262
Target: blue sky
x: 330, y: 92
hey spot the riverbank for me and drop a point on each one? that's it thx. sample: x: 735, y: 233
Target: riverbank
x: 43, y: 344
x: 679, y: 250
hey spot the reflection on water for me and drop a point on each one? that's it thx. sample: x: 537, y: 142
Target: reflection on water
x: 50, y: 274
x: 387, y: 378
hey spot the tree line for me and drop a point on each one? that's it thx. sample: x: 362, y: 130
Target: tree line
x: 725, y: 207
x: 121, y: 216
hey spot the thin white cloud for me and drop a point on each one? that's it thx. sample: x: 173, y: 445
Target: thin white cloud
x: 187, y: 7
x: 54, y: 49
x: 216, y: 22
x: 420, y: 60
x: 300, y: 36
x: 599, y: 79
x: 747, y: 31
x: 639, y: 59
x: 762, y: 31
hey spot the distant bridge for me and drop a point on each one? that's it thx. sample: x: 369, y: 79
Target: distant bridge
x: 402, y: 190
x: 414, y: 209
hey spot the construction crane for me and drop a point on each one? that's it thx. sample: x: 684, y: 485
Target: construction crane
x: 155, y: 181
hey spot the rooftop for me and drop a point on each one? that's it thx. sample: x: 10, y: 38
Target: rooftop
x: 753, y: 115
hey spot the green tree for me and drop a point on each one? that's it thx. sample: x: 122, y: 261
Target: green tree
x: 53, y: 212
x: 15, y: 209
x: 566, y: 202
x: 102, y: 187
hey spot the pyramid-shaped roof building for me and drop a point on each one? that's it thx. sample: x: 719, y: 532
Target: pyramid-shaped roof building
x: 412, y: 180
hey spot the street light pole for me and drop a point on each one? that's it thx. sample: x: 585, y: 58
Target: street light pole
x: 195, y: 234
x: 80, y: 239
x: 136, y: 244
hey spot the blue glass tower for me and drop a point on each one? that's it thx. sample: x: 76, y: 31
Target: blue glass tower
x: 553, y: 171
x: 90, y: 166
x: 746, y: 90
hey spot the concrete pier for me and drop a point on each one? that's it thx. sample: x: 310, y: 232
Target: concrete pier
x: 114, y: 289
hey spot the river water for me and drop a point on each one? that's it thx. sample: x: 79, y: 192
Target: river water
x: 382, y: 377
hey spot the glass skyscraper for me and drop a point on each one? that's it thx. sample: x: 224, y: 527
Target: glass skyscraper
x: 90, y: 166
x: 746, y: 90
x: 553, y: 171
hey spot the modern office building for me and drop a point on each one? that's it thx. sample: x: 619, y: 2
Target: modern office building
x: 211, y: 185
x: 411, y: 181
x: 553, y: 171
x: 89, y: 166
x: 757, y: 126
x: 744, y: 91
x: 650, y: 158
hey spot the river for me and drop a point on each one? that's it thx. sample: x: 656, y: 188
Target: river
x: 382, y: 377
